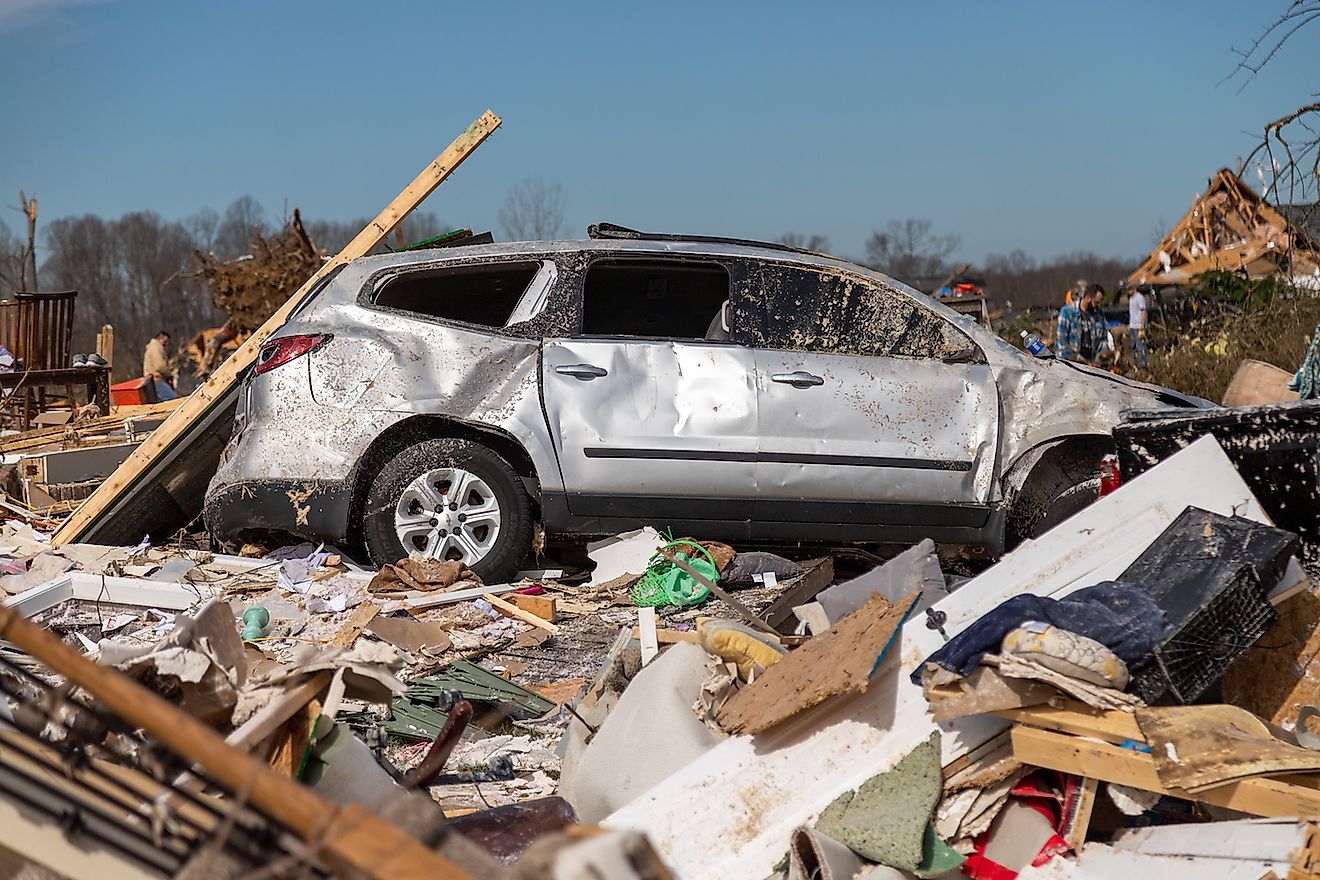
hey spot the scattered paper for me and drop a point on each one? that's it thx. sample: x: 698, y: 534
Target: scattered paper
x: 116, y: 622
x: 327, y: 604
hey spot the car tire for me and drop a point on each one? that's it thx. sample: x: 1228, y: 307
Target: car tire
x: 1070, y: 501
x: 450, y: 499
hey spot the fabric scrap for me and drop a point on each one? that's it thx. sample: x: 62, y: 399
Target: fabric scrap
x: 888, y: 818
x: 1122, y: 616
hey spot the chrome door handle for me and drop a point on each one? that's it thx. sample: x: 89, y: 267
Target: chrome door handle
x: 585, y: 372
x: 798, y: 379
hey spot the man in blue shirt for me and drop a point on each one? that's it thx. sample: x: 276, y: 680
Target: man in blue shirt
x: 1082, y: 334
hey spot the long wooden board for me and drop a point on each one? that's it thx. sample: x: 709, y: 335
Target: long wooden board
x: 1111, y: 763
x: 141, y: 467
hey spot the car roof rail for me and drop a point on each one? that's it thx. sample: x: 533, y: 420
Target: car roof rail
x: 612, y: 231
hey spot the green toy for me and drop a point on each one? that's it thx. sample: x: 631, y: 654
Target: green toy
x: 255, y: 621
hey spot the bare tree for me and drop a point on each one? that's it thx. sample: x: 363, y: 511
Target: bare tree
x: 332, y: 235
x: 244, y: 220
x: 27, y: 261
x: 1298, y: 15
x: 417, y: 227
x: 1022, y: 280
x: 1289, y: 151
x: 819, y: 243
x: 1015, y: 262
x: 133, y: 273
x: 11, y: 260
x: 909, y: 249
x: 534, y: 211
x: 203, y: 227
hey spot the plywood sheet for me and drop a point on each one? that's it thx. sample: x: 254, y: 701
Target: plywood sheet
x: 410, y: 635
x: 1202, y: 747
x: 837, y: 662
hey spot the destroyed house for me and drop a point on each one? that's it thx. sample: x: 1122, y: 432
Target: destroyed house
x: 1232, y: 229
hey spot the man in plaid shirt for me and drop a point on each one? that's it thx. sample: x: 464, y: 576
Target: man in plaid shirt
x: 1082, y: 334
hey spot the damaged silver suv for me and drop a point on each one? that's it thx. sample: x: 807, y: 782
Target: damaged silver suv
x: 463, y: 402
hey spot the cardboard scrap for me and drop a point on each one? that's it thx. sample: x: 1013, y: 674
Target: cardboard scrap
x: 202, y: 657
x: 839, y: 661
x: 1280, y: 674
x: 1197, y: 748
x: 422, y: 574
x: 412, y: 636
x: 721, y: 553
x: 985, y: 690
x: 558, y: 692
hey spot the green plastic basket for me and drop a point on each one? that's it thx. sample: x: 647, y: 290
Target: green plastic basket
x: 664, y: 583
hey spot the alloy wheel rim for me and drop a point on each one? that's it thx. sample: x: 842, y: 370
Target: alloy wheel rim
x: 449, y: 514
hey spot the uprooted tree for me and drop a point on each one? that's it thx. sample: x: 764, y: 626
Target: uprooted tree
x: 249, y: 290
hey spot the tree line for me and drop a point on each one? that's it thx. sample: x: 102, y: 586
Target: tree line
x: 138, y: 272
x: 912, y: 251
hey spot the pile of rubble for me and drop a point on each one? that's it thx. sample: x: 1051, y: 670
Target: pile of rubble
x: 1129, y: 692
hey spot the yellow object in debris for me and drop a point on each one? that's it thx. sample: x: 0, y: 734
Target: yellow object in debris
x: 739, y: 644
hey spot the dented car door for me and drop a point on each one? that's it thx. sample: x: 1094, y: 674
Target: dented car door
x: 874, y: 409
x: 651, y: 419
x: 652, y: 428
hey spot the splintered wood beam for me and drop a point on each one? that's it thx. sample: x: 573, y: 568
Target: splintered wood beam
x: 349, y: 840
x: 201, y: 402
x: 1111, y: 763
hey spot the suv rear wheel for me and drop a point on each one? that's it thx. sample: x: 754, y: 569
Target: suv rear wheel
x: 450, y: 500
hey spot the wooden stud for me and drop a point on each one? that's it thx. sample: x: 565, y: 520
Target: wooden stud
x: 544, y: 607
x: 671, y: 636
x: 1110, y: 763
x: 279, y: 710
x: 349, y: 632
x: 1078, y: 719
x: 511, y: 610
x: 105, y: 344
x: 817, y: 574
x: 293, y: 739
x: 1079, y: 820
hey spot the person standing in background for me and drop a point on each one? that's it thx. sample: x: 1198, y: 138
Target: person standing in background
x: 156, y: 366
x: 1137, y: 317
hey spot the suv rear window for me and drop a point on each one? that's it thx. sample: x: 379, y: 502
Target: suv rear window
x: 483, y: 295
x: 669, y: 299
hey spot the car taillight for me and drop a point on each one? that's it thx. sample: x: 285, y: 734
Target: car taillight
x: 1109, y: 475
x: 275, y: 352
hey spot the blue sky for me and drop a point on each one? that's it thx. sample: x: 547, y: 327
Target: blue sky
x: 1050, y: 126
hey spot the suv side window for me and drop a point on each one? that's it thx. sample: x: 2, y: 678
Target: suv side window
x: 484, y: 295
x: 655, y: 298
x: 836, y: 313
